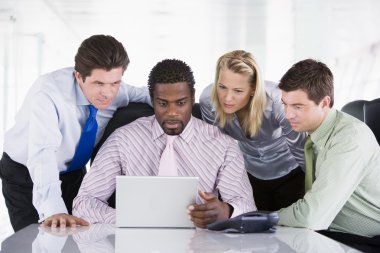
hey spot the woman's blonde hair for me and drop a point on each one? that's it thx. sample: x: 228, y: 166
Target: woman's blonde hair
x: 241, y: 62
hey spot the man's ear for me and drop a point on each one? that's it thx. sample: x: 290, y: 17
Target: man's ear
x: 193, y: 96
x: 151, y: 101
x: 326, y: 102
x: 78, y: 76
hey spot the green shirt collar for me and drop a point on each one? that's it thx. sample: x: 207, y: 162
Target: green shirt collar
x: 321, y: 134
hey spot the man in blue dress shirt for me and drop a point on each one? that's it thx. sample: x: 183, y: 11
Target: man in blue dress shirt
x: 37, y: 179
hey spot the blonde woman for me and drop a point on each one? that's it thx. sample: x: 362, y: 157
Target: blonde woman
x: 250, y: 110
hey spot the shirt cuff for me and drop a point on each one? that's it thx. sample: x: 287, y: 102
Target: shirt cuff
x: 51, y: 207
x: 237, y: 211
x: 110, y: 217
x: 286, y: 218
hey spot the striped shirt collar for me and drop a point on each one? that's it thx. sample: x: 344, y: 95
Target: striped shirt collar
x: 186, y: 135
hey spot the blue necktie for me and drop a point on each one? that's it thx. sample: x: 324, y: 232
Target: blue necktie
x: 86, y: 142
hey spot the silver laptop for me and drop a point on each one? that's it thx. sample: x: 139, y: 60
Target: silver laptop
x: 152, y: 201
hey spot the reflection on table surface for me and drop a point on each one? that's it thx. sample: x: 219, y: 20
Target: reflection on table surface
x: 108, y: 238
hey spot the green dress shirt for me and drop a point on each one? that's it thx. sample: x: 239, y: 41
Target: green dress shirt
x: 345, y: 195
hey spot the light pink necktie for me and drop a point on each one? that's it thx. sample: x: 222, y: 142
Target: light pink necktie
x: 168, y: 164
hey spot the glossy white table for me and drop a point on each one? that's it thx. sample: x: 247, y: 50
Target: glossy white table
x: 107, y: 238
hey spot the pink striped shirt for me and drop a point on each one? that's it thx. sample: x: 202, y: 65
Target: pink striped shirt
x: 202, y: 150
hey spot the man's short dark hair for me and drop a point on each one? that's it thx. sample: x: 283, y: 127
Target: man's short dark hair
x: 171, y: 71
x: 311, y: 76
x: 100, y: 52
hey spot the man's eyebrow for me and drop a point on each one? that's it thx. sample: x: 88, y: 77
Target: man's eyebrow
x: 98, y: 81
x: 180, y: 99
x: 184, y: 98
x: 297, y: 104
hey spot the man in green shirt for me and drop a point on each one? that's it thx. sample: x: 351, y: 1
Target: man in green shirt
x: 343, y: 166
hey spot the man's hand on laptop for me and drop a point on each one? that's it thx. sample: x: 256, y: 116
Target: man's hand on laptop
x: 212, y: 210
x: 63, y: 220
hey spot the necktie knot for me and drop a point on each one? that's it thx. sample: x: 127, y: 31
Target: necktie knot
x: 91, y: 121
x: 308, y: 143
x: 93, y: 111
x: 168, y: 164
x: 170, y: 139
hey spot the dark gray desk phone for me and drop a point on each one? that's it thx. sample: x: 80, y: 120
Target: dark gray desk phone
x: 251, y: 222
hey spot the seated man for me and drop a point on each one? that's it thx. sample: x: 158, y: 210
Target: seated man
x: 342, y: 163
x: 200, y: 150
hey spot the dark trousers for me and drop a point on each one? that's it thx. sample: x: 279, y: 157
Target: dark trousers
x: 272, y: 195
x: 364, y: 244
x: 17, y: 189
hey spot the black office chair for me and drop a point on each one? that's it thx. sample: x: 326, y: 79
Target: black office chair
x: 355, y: 108
x: 366, y: 111
x: 126, y: 115
x: 371, y: 117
